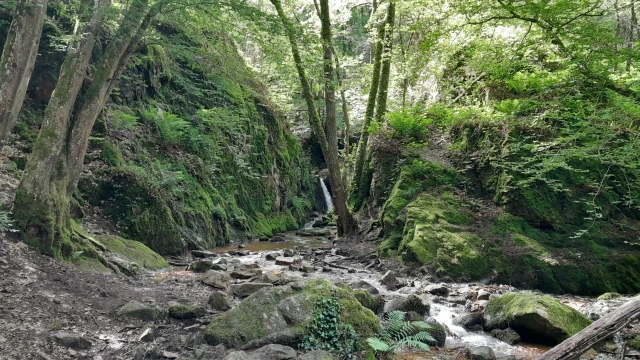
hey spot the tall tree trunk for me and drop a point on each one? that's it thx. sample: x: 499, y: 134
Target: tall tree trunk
x: 632, y: 33
x: 18, y: 60
x: 357, y: 187
x: 345, y: 221
x: 345, y: 108
x: 385, y: 71
x: 41, y: 206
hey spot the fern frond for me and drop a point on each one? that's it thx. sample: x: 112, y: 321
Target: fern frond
x: 378, y: 345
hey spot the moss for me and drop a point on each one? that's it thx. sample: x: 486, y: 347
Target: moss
x: 608, y: 296
x: 133, y: 251
x: 634, y: 344
x: 91, y: 264
x: 373, y: 303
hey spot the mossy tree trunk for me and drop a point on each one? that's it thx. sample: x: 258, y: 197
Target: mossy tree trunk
x: 346, y: 222
x: 359, y: 184
x: 18, y: 60
x: 42, y: 204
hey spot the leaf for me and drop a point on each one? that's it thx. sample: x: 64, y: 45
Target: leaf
x: 378, y: 345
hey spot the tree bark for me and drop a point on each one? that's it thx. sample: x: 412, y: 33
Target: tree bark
x: 579, y: 343
x: 632, y: 34
x: 18, y: 60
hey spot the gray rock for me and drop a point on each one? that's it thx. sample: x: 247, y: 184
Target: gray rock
x: 289, y: 252
x: 277, y: 238
x: 508, y: 335
x: 239, y: 355
x: 287, y: 337
x: 413, y: 316
x: 246, y: 289
x: 243, y: 252
x: 216, y: 279
x: 273, y: 256
x: 408, y: 303
x: 363, y: 285
x: 440, y: 289
x: 203, y: 254
x: 389, y: 280
x: 318, y: 355
x: 147, y: 334
x: 287, y: 261
x: 219, y: 301
x: 136, y: 310
x: 244, y: 274
x: 183, y: 312
x: 71, y: 340
x: 274, y: 352
x: 314, y: 232
x: 457, y: 299
x: 483, y: 295
x: 481, y: 353
x: 200, y: 266
x: 470, y: 321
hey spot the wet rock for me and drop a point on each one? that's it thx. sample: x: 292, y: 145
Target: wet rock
x: 507, y: 335
x: 389, y: 280
x: 147, y: 334
x: 287, y: 337
x: 203, y: 254
x: 183, y: 312
x: 200, y: 266
x: 277, y: 239
x: 243, y: 252
x: 244, y: 274
x: 408, y: 303
x: 246, y: 289
x: 589, y: 355
x: 458, y: 300
x: 440, y: 289
x: 274, y: 352
x: 71, y: 340
x: 273, y: 256
x: 286, y: 261
x: 326, y: 269
x: 481, y: 353
x: 483, y: 295
x: 373, y: 303
x: 438, y: 333
x: 314, y: 232
x: 289, y: 252
x: 136, y: 310
x: 317, y: 355
x: 470, y: 321
x: 216, y: 279
x: 363, y: 285
x: 538, y: 319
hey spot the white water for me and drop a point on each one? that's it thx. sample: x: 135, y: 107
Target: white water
x: 327, y: 197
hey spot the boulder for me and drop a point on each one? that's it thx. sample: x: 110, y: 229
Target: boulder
x: 277, y: 238
x: 239, y: 355
x: 186, y: 312
x: 408, y: 303
x: 136, y: 310
x: 470, y: 321
x: 246, y: 289
x: 609, y: 296
x: 219, y: 301
x: 203, y: 254
x: 274, y: 352
x: 481, y: 353
x: 314, y: 232
x: 483, y: 295
x: 318, y: 355
x: 373, y: 303
x: 216, y: 279
x: 389, y: 280
x: 507, y: 335
x: 440, y: 289
x: 413, y: 316
x: 363, y: 285
x: 289, y: 252
x: 288, y: 261
x: 283, y: 309
x: 71, y: 340
x: 244, y: 274
x: 538, y: 319
x: 438, y: 332
x: 200, y: 266
x: 272, y: 256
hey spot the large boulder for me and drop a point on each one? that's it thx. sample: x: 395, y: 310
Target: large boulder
x: 285, y: 309
x: 481, y: 353
x: 364, y: 285
x: 136, y: 310
x: 71, y: 340
x: 538, y: 319
x: 408, y: 303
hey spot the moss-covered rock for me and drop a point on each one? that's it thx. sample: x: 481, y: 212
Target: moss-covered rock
x: 137, y: 310
x: 133, y: 251
x: 538, y: 319
x: 609, y: 296
x: 276, y: 309
x: 374, y: 303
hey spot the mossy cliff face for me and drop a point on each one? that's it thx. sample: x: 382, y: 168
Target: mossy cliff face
x: 286, y: 309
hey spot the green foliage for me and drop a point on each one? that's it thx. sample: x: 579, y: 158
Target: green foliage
x: 396, y: 334
x: 6, y: 222
x: 172, y: 129
x: 326, y: 332
x: 122, y: 120
x: 409, y: 125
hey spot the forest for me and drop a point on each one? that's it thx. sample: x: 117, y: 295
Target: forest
x: 319, y: 179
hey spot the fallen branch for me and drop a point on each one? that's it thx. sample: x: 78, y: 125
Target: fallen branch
x: 579, y: 343
x: 340, y: 266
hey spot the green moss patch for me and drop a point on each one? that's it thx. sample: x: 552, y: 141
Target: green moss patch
x: 133, y: 251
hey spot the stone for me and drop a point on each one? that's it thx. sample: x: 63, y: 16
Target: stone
x: 71, y: 340
x: 170, y: 355
x: 389, y: 280
x: 507, y: 335
x: 536, y: 318
x: 483, y: 295
x: 307, y: 269
x: 243, y: 252
x: 287, y: 261
x: 246, y: 289
x: 318, y: 355
x: 184, y: 312
x: 136, y: 310
x: 272, y: 256
x: 481, y: 353
x: 203, y: 254
x: 438, y: 333
x: 239, y: 355
x: 470, y: 321
x: 457, y: 299
x: 268, y: 277
x: 200, y: 266
x: 408, y: 303
x: 609, y: 296
x: 413, y: 316
x: 314, y: 232
x: 277, y: 238
x: 441, y: 289
x: 589, y: 355
x: 274, y: 352
x: 216, y: 279
x: 244, y: 274
x: 147, y: 334
x: 289, y: 252
x: 285, y: 310
x: 363, y: 285
x: 371, y: 302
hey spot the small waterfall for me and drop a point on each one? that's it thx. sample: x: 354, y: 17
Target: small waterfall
x: 327, y: 196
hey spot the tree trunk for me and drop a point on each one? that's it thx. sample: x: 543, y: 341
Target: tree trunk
x: 345, y: 109
x: 579, y: 343
x: 358, y: 189
x: 385, y: 71
x: 41, y: 206
x: 18, y: 60
x: 345, y: 222
x: 632, y: 34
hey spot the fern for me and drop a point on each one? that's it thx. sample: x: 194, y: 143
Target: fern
x: 396, y: 333
x: 6, y: 223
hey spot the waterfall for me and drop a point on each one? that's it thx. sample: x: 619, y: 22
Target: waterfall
x: 327, y: 196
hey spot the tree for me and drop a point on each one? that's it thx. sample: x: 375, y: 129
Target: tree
x: 328, y: 140
x: 18, y: 60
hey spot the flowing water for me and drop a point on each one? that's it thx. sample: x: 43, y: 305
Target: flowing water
x: 327, y: 196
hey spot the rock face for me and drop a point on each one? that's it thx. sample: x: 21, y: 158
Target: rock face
x: 71, y: 340
x: 409, y: 303
x: 507, y: 335
x: 216, y: 279
x: 538, y: 319
x: 285, y: 309
x: 136, y: 310
x: 246, y: 289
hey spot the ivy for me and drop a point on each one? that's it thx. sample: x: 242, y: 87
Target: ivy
x: 326, y: 332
